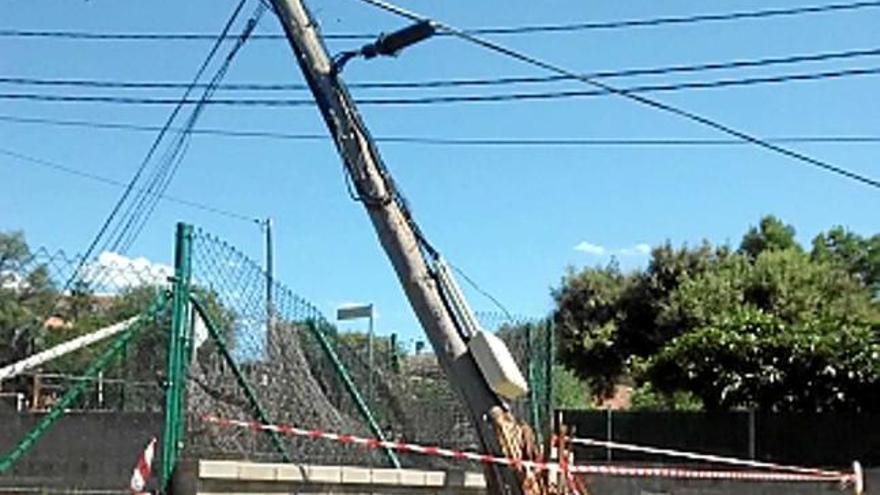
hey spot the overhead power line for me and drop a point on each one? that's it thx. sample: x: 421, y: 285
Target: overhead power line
x: 448, y: 99
x: 167, y: 169
x: 495, y: 31
x: 441, y: 141
x: 115, y: 183
x: 644, y: 100
x: 155, y: 145
x: 443, y: 83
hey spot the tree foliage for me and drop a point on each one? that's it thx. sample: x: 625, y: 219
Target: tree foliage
x: 605, y: 316
x: 26, y: 297
x: 771, y: 234
x: 768, y: 326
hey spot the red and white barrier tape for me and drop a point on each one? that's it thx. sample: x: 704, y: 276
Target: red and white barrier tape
x: 590, y: 442
x: 143, y: 469
x: 602, y: 470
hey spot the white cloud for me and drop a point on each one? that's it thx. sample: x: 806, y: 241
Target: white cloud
x: 590, y: 248
x: 11, y: 280
x: 116, y: 271
x: 640, y: 249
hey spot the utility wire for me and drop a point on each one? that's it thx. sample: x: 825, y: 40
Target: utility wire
x: 112, y: 182
x: 440, y: 141
x: 515, y: 30
x: 174, y: 155
x: 494, y: 300
x: 444, y: 83
x: 448, y: 99
x: 128, y: 190
x: 656, y: 104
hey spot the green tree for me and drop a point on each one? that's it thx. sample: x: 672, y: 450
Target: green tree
x: 604, y: 316
x: 27, y: 297
x: 780, y: 332
x: 569, y: 391
x: 588, y: 318
x: 646, y: 397
x: 719, y: 328
x: 770, y: 234
x: 858, y: 255
x: 754, y: 359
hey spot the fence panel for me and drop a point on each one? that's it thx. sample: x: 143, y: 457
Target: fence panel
x: 832, y: 440
x: 305, y: 373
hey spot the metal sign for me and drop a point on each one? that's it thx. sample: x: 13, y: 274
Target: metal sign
x: 354, y: 312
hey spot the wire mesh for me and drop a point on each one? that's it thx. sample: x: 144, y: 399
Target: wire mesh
x: 275, y: 337
x: 48, y: 297
x: 301, y: 368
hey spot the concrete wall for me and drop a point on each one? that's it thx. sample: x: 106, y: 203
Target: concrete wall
x: 209, y: 477
x: 84, y: 450
x: 226, y: 477
x: 98, y: 450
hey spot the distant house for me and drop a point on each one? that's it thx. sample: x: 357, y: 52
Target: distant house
x: 56, y: 322
x: 620, y: 400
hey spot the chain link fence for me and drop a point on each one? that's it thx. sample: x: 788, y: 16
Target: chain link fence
x: 307, y: 373
x: 51, y: 297
x: 253, y: 350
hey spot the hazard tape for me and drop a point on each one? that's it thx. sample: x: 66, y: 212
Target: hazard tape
x: 590, y: 442
x: 582, y: 469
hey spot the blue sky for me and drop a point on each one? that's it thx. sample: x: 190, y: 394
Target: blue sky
x: 511, y: 217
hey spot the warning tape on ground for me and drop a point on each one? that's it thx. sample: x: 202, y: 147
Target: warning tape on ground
x: 589, y: 469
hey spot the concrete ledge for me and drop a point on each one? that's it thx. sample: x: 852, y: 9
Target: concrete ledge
x: 243, y: 477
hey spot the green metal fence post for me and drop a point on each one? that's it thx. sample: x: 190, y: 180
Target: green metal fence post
x: 351, y: 388
x: 178, y: 350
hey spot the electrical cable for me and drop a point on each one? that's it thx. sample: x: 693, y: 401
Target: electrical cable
x: 103, y: 229
x: 494, y: 300
x: 136, y: 207
x: 439, y: 141
x: 444, y: 83
x: 514, y: 30
x: 112, y: 182
x: 656, y: 104
x: 451, y: 99
x: 177, y: 152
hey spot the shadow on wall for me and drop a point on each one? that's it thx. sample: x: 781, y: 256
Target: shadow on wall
x: 94, y: 450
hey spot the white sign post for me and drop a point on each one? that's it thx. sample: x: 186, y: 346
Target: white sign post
x: 354, y: 312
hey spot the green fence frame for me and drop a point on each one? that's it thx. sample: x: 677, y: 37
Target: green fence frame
x: 48, y: 421
x: 178, y: 353
x: 352, y: 389
x: 258, y: 409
